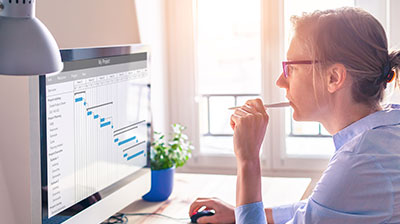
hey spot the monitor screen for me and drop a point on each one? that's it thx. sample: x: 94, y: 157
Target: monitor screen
x: 95, y: 122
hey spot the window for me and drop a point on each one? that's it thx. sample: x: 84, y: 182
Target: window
x: 228, y: 66
x: 223, y: 52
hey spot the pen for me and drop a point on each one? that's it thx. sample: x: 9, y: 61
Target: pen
x: 273, y: 105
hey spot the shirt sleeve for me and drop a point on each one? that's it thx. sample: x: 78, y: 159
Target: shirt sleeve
x: 250, y: 214
x: 284, y: 213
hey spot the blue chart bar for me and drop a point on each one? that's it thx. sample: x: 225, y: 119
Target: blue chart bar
x: 116, y: 140
x: 96, y: 116
x: 134, y: 155
x: 78, y: 99
x: 89, y: 113
x: 105, y: 124
x: 127, y: 140
x: 125, y: 155
x: 102, y: 119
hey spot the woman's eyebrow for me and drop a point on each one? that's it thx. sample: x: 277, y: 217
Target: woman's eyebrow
x: 292, y: 57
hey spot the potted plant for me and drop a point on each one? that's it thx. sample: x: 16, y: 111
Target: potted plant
x: 165, y: 156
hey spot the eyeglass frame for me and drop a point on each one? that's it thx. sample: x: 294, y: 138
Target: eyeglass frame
x: 302, y: 62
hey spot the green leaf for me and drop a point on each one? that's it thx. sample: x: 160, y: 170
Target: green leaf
x: 168, y: 153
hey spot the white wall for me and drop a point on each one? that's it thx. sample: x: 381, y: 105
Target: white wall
x: 5, y: 208
x: 85, y: 23
x: 152, y: 26
x: 14, y: 150
x: 74, y: 23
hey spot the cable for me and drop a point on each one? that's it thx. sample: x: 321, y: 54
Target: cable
x: 121, y: 218
x: 116, y: 219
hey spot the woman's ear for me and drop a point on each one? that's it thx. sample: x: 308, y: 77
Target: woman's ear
x: 337, y: 75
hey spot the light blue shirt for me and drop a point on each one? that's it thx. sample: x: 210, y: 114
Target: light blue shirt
x: 250, y: 214
x: 361, y: 183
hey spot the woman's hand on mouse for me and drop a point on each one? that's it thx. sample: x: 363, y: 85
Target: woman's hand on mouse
x: 224, y: 212
x: 249, y: 124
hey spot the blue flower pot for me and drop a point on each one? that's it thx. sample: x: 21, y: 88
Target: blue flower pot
x: 162, y: 182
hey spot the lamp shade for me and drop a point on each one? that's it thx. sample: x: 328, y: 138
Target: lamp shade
x: 26, y: 45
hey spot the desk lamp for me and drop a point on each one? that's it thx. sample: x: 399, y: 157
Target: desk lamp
x: 26, y: 45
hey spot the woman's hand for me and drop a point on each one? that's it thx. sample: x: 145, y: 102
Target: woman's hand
x: 249, y: 124
x: 224, y: 212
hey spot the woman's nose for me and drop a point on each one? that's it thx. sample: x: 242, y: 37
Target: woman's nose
x: 282, y: 81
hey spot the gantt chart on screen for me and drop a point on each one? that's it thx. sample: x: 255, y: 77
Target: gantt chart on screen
x: 96, y: 120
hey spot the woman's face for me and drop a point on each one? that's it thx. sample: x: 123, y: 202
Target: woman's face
x: 305, y: 100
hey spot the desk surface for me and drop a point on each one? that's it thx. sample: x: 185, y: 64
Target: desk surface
x: 188, y: 187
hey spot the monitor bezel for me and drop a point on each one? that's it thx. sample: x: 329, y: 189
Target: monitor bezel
x: 78, y: 54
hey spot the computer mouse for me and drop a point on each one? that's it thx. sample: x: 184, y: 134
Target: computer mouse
x: 197, y: 215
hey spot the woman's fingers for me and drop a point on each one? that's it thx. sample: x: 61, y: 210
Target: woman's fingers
x: 234, y: 120
x: 248, y: 108
x: 232, y: 123
x: 196, y: 205
x: 224, y: 212
x: 258, y: 105
x: 208, y: 219
x: 241, y: 112
x: 249, y: 123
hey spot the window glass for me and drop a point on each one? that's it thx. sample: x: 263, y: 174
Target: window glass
x: 228, y: 65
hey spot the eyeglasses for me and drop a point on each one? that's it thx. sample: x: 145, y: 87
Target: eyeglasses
x: 286, y: 67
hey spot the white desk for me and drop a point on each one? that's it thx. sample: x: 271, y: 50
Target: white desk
x: 188, y: 187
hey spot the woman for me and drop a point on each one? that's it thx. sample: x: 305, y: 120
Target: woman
x: 338, y: 67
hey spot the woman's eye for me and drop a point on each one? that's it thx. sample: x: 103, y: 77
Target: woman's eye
x: 290, y: 69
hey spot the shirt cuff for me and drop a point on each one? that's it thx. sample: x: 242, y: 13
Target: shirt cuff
x: 250, y: 213
x: 284, y: 213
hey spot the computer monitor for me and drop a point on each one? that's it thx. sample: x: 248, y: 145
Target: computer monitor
x: 95, y: 131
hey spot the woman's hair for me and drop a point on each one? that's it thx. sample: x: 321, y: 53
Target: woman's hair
x: 354, y: 38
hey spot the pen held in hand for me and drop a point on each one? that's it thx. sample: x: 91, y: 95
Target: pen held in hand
x: 273, y: 105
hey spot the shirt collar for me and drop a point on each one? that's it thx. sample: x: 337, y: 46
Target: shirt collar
x: 389, y: 116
